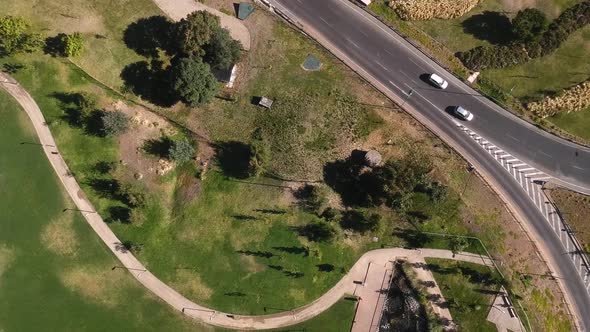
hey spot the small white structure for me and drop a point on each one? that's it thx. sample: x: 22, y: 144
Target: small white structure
x: 472, y: 77
x: 366, y: 2
x: 265, y: 102
x: 232, y: 77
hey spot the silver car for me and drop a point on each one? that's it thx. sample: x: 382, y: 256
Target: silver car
x: 463, y: 113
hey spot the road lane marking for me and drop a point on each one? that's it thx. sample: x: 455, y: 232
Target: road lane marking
x: 328, y: 23
x: 381, y: 65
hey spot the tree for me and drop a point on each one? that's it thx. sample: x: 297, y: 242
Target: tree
x: 361, y: 221
x: 458, y: 244
x: 195, y: 31
x: 72, y: 45
x: 15, y: 36
x: 222, y: 51
x: 319, y: 231
x: 313, y: 199
x: 528, y: 25
x: 132, y: 195
x: 114, y: 123
x: 193, y: 81
x: 181, y: 151
x: 85, y: 102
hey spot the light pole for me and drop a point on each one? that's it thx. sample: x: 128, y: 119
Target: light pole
x: 408, y: 95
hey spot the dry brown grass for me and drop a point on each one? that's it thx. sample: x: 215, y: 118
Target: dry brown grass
x: 60, y: 237
x: 190, y: 285
x: 6, y: 258
x: 429, y: 9
x: 97, y: 284
x: 572, y: 100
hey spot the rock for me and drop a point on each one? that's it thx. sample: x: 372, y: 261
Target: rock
x: 138, y: 176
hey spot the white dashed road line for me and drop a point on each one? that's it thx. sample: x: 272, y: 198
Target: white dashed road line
x: 532, y: 180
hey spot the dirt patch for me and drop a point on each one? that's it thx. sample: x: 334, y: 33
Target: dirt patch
x: 251, y: 265
x: 298, y: 295
x: 190, y: 284
x: 6, y: 258
x: 59, y: 236
x: 145, y: 126
x: 97, y: 284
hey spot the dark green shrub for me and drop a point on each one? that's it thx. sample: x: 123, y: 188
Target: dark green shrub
x: 528, y: 25
x: 193, y: 81
x: 114, y: 123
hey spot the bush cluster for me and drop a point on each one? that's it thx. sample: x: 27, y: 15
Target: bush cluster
x: 529, y: 45
x: 429, y: 9
x: 15, y: 36
x: 572, y: 100
x: 195, y: 47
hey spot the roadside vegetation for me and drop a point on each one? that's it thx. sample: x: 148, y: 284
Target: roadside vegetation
x: 575, y: 209
x: 468, y: 289
x: 231, y: 203
x: 521, y: 50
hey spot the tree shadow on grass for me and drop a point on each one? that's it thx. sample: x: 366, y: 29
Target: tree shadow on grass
x: 106, y: 188
x: 413, y: 238
x: 68, y: 102
x: 54, y: 46
x: 158, y: 147
x: 146, y: 35
x: 493, y: 27
x: 12, y: 68
x: 294, y: 250
x: 233, y: 158
x: 149, y: 81
x: 325, y: 267
x: 120, y: 214
x: 343, y: 176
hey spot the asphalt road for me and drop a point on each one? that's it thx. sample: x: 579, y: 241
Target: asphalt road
x: 396, y: 67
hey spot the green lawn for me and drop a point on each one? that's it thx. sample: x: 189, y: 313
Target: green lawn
x: 101, y: 22
x: 336, y: 319
x: 465, y: 286
x: 578, y: 123
x: 55, y: 274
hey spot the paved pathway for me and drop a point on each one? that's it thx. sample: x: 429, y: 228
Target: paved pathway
x: 178, y: 9
x: 346, y: 285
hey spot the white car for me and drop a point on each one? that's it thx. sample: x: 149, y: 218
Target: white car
x: 463, y: 113
x: 438, y: 81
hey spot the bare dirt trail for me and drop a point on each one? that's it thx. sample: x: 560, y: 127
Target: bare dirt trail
x: 347, y: 285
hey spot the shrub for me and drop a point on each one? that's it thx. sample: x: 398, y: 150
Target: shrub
x: 132, y: 195
x: 572, y: 100
x: 72, y: 45
x: 193, y: 81
x: 483, y: 57
x: 361, y: 221
x: 313, y: 199
x: 528, y: 25
x: 15, y: 36
x: 181, y: 151
x: 114, y: 123
x: 429, y: 9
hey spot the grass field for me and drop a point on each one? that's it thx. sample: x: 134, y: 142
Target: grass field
x: 101, y: 22
x: 464, y: 287
x: 55, y: 274
x: 336, y: 319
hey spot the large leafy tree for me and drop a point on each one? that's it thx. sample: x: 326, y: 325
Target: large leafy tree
x: 15, y: 36
x: 195, y: 31
x: 529, y: 24
x: 222, y: 51
x: 193, y: 81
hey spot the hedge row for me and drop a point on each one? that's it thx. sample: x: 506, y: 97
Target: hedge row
x: 569, y: 21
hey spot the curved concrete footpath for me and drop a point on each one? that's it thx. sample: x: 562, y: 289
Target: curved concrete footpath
x: 178, y: 9
x: 345, y: 286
